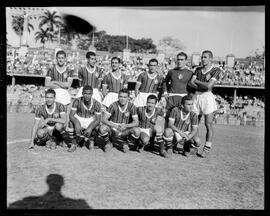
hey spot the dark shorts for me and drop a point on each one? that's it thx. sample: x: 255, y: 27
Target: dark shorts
x: 173, y: 101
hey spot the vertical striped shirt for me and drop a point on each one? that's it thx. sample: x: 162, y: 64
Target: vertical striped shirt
x: 146, y: 120
x: 117, y: 115
x: 149, y: 84
x: 182, y: 122
x: 90, y: 77
x: 212, y: 73
x: 115, y: 84
x: 43, y: 111
x: 60, y: 76
x: 86, y: 112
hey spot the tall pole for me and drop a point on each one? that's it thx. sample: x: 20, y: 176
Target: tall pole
x: 93, y: 40
x: 231, y: 44
x: 127, y: 41
x: 59, y: 35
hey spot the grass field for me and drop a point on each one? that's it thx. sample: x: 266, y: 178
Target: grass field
x: 231, y: 178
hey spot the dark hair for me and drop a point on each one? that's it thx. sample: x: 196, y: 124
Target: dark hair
x: 50, y: 91
x: 118, y: 59
x: 61, y: 52
x: 90, y: 53
x: 185, y: 98
x: 151, y: 96
x: 87, y: 87
x: 182, y: 54
x: 209, y: 52
x: 124, y: 90
x: 153, y: 60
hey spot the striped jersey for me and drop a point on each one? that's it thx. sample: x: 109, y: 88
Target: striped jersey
x: 125, y: 115
x: 60, y: 76
x: 176, y: 80
x: 212, y: 73
x: 148, y: 83
x: 115, y: 84
x: 146, y: 120
x: 43, y: 111
x: 90, y: 76
x: 182, y: 122
x: 86, y: 112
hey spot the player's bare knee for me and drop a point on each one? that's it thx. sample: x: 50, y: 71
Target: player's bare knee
x: 59, y: 126
x: 41, y: 133
x: 168, y: 132
x: 209, y: 125
x: 103, y: 129
x: 197, y: 141
x: 136, y: 132
x: 158, y: 129
x: 145, y: 140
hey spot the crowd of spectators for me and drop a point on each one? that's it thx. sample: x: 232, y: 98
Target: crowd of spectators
x: 244, y: 109
x: 251, y: 75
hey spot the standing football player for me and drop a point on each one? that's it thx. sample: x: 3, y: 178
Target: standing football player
x: 203, y: 81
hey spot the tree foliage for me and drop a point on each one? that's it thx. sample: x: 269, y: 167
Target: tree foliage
x: 18, y: 25
x: 170, y: 45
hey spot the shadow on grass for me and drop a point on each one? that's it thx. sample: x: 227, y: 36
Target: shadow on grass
x: 52, y: 199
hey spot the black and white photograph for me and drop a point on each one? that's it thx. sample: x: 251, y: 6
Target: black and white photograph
x: 140, y: 107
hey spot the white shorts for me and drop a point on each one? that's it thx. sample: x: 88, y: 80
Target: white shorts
x: 62, y: 96
x: 146, y: 131
x: 85, y: 122
x: 179, y: 137
x: 110, y: 98
x: 204, y: 103
x: 96, y: 94
x: 141, y: 99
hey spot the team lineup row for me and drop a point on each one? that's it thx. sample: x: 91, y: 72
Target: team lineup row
x: 137, y: 124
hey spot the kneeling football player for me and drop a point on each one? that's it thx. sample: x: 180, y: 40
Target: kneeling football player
x: 120, y: 122
x: 183, y: 127
x: 85, y: 117
x: 49, y: 122
x: 148, y: 116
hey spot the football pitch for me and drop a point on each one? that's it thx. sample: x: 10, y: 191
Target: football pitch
x: 231, y: 178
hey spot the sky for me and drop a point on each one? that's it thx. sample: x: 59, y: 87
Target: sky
x: 223, y: 30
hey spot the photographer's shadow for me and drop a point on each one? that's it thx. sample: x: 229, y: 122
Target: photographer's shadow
x: 52, y: 199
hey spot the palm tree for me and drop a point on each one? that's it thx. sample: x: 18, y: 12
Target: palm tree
x: 51, y: 19
x: 17, y: 26
x: 44, y: 36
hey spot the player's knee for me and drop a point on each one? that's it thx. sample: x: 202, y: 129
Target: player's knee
x: 209, y: 125
x: 168, y: 132
x: 145, y: 140
x: 158, y: 129
x: 136, y: 132
x: 59, y: 126
x: 41, y: 133
x: 103, y: 129
x: 197, y: 141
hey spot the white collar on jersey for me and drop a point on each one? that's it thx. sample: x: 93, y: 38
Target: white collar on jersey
x: 89, y: 69
x: 152, y: 76
x: 91, y: 104
x: 117, y: 78
x: 182, y: 118
x: 60, y: 70
x: 204, y: 72
x: 53, y: 109
x: 151, y: 115
x: 122, y: 110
